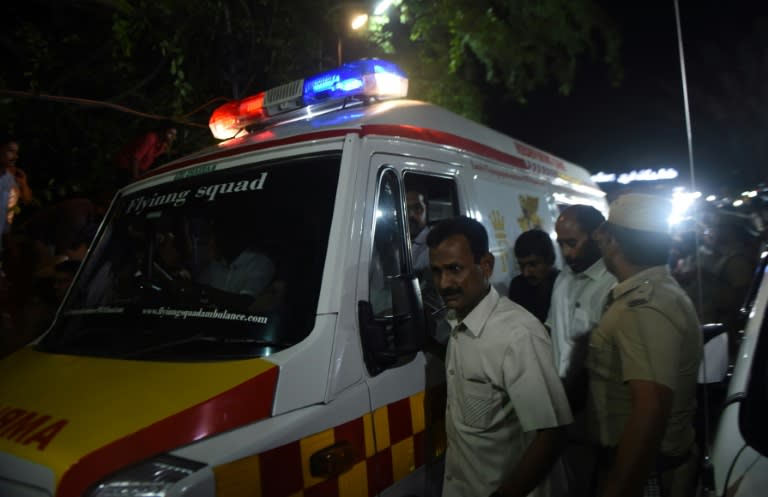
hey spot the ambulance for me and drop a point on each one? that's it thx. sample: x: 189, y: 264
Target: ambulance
x: 248, y: 321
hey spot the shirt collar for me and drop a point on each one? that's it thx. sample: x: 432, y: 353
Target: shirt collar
x: 477, y: 317
x: 652, y: 273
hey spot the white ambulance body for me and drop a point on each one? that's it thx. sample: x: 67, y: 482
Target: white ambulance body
x: 295, y: 368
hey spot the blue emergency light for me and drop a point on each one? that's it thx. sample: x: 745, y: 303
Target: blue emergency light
x: 354, y: 82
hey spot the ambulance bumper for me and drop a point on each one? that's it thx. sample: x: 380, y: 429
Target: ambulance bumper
x: 22, y: 478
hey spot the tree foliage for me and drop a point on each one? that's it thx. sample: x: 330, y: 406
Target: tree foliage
x: 464, y: 48
x: 81, y: 77
x: 153, y: 59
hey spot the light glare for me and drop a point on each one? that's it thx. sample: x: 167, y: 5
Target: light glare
x: 359, y: 21
x: 681, y: 202
x: 382, y: 7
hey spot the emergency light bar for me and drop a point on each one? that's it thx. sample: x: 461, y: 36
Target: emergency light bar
x: 354, y: 82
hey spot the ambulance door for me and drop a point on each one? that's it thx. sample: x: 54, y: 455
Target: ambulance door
x: 408, y: 398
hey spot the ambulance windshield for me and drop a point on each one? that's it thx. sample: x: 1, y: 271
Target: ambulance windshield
x: 217, y: 264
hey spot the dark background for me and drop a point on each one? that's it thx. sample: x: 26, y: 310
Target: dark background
x: 641, y: 123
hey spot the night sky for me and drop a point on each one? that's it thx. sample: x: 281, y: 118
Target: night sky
x: 641, y: 123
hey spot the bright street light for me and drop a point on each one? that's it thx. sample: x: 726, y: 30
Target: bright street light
x: 359, y: 21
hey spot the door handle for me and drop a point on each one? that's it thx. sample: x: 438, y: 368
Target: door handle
x: 332, y: 461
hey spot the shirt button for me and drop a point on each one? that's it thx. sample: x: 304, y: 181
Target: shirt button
x: 450, y: 371
x: 449, y: 477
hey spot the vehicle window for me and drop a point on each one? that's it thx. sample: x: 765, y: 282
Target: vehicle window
x: 429, y: 200
x: 225, y: 264
x: 439, y: 194
x: 388, y: 256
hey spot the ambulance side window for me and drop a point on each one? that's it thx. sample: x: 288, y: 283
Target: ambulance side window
x: 388, y: 256
x: 438, y: 194
x: 435, y: 199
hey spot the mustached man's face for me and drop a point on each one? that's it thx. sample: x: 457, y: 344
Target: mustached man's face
x: 579, y: 250
x: 461, y: 281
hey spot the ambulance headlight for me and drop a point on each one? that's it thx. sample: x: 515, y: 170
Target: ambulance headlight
x: 151, y: 478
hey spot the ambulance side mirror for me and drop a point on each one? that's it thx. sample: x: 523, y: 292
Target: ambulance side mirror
x: 393, y: 340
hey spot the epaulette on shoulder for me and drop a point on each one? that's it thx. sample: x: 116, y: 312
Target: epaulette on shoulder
x: 641, y: 294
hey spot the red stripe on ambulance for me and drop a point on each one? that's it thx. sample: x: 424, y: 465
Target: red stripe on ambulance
x: 443, y: 138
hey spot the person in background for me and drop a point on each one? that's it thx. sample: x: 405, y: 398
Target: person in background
x: 578, y: 299
x: 506, y: 406
x: 532, y: 288
x: 9, y: 153
x: 417, y: 224
x: 139, y: 155
x: 735, y: 251
x: 643, y: 360
x: 23, y: 193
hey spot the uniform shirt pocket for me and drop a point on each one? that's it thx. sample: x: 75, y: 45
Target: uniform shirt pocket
x: 479, y: 403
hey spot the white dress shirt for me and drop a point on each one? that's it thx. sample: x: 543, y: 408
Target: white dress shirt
x: 502, y: 387
x: 577, y: 305
x: 249, y: 274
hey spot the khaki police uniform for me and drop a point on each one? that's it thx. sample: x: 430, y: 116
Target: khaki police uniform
x: 650, y: 332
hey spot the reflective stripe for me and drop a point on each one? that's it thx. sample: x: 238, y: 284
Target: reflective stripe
x: 394, y: 450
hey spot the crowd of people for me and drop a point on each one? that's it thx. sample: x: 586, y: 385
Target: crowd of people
x: 584, y: 381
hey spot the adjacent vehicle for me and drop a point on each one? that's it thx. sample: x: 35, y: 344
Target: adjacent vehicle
x: 740, y: 451
x: 248, y: 320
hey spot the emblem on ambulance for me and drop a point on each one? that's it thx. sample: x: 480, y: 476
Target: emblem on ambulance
x: 497, y: 221
x: 530, y: 219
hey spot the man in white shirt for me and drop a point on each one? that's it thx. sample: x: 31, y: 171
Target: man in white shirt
x: 241, y: 272
x: 578, y: 298
x: 580, y: 289
x: 506, y: 405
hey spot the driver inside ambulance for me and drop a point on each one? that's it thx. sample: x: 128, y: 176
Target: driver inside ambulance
x: 235, y: 266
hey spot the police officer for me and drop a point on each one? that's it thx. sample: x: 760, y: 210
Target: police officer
x: 643, y: 359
